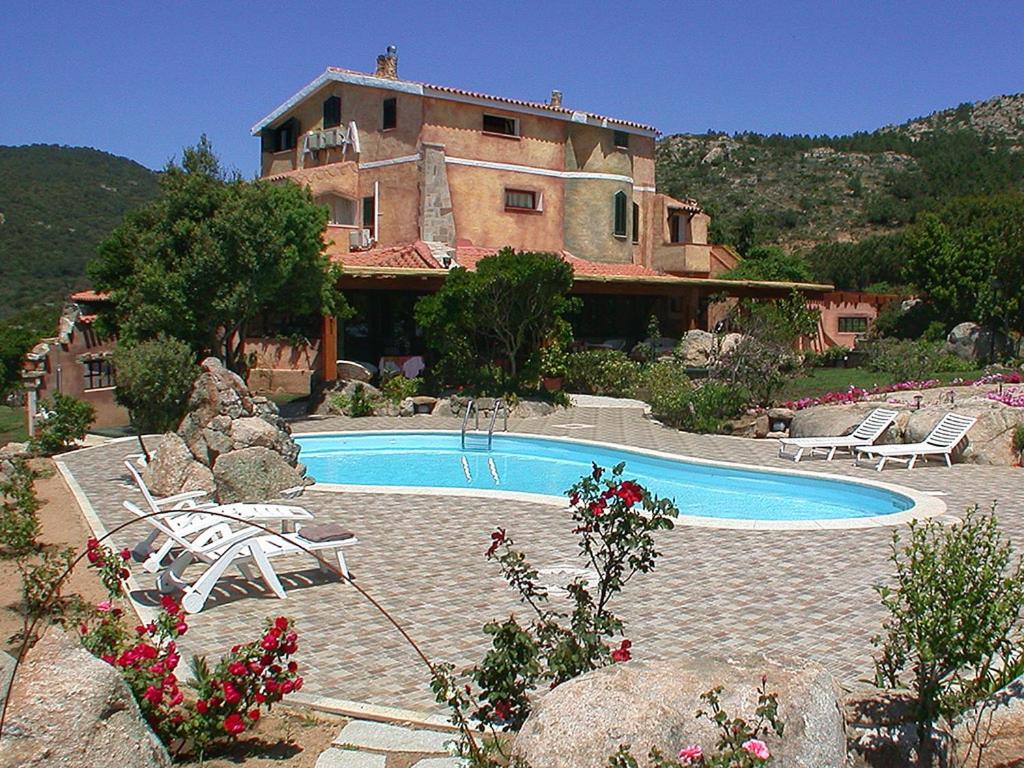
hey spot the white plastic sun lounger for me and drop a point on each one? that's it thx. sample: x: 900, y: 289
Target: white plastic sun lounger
x: 941, y: 441
x: 220, y: 547
x: 186, y: 515
x: 866, y: 433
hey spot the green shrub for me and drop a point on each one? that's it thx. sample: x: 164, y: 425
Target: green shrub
x: 912, y: 360
x: 675, y: 401
x: 602, y: 372
x: 67, y: 420
x: 154, y: 380
x: 19, y: 525
x: 396, y: 388
x: 1018, y: 439
x: 552, y: 361
x: 954, y: 618
x: 360, y: 404
x: 41, y: 581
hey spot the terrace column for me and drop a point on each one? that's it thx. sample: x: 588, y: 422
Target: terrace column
x: 329, y: 348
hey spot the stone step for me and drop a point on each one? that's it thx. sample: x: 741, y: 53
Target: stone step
x: 382, y: 737
x: 441, y: 762
x: 346, y: 758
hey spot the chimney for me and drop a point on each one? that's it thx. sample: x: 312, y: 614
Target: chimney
x: 387, y: 64
x: 556, y: 99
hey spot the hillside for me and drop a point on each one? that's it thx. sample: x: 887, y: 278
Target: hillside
x: 56, y: 205
x: 799, y: 191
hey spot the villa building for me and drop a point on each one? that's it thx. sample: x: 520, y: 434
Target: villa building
x: 422, y: 178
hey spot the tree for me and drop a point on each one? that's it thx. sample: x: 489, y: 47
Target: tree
x: 498, y: 315
x: 968, y: 259
x: 769, y: 262
x: 210, y: 254
x: 154, y: 379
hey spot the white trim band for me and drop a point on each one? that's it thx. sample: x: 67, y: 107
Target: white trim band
x: 392, y: 161
x: 537, y: 171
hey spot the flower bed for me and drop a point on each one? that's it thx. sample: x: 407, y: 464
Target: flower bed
x: 856, y: 394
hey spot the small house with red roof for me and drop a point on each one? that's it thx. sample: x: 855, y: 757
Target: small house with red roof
x: 422, y: 178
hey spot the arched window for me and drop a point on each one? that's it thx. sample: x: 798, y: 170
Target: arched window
x: 342, y: 210
x: 621, y: 203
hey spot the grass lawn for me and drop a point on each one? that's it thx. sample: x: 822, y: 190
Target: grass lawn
x: 12, y: 425
x: 819, y: 381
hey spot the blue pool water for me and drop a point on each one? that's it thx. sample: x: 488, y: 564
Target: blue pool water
x: 549, y: 466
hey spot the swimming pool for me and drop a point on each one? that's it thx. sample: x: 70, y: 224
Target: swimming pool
x: 434, y: 461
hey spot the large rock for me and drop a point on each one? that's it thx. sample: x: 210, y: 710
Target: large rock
x: 329, y: 405
x: 695, y: 348
x: 174, y: 469
x: 971, y: 341
x: 223, y: 419
x: 652, y: 704
x: 835, y: 420
x: 67, y: 708
x: 253, y: 474
x: 989, y: 441
x: 994, y: 730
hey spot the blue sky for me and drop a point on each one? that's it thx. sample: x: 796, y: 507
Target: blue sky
x: 145, y: 79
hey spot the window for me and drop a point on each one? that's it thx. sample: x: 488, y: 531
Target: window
x: 342, y: 210
x: 389, y: 114
x: 98, y: 374
x: 521, y: 200
x: 853, y: 325
x: 636, y: 223
x: 285, y: 137
x: 620, y: 213
x: 370, y: 216
x: 621, y: 139
x: 506, y: 126
x: 678, y: 228
x: 332, y: 112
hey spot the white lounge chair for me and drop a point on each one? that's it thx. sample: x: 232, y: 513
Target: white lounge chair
x: 186, y: 514
x: 941, y: 441
x: 866, y: 433
x: 221, y: 546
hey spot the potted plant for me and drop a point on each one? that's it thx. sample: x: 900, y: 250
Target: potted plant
x: 552, y: 367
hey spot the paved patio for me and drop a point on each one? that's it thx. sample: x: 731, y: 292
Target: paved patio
x: 802, y: 593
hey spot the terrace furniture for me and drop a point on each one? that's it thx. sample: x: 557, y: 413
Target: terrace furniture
x: 941, y: 441
x: 866, y: 433
x: 220, y: 546
x: 185, y: 514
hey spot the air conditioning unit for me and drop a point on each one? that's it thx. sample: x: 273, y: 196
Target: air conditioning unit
x: 331, y: 138
x: 359, y: 239
x: 312, y: 142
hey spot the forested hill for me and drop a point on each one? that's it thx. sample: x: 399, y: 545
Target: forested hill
x: 56, y: 205
x: 799, y: 191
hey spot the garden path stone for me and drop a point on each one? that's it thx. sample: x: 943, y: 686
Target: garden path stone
x: 346, y: 758
x: 441, y: 762
x: 391, y: 738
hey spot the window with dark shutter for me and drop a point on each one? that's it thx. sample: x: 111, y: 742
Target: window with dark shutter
x: 389, y: 114
x: 621, y: 139
x: 636, y: 223
x: 286, y: 135
x: 369, y: 215
x: 620, y: 213
x: 506, y: 126
x: 99, y: 374
x: 332, y: 112
x: 520, y: 200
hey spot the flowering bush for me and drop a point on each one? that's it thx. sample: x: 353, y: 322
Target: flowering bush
x: 855, y: 394
x: 740, y: 743
x: 615, y: 520
x: 228, y: 699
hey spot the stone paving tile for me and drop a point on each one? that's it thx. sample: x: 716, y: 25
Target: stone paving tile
x: 384, y: 737
x: 717, y: 591
x: 346, y: 758
x: 441, y: 762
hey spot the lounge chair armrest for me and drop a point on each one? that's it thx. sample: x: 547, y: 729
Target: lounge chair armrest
x: 208, y: 540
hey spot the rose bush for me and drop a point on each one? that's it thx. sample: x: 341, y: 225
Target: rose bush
x: 224, y: 701
x: 614, y: 520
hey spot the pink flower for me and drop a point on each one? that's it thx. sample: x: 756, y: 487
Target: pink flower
x: 757, y: 748
x: 691, y: 754
x: 104, y: 607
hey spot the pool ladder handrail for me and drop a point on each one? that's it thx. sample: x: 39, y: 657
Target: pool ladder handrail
x: 471, y: 406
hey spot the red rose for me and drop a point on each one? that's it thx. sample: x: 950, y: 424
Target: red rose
x: 254, y: 715
x: 281, y: 624
x: 269, y: 642
x: 622, y: 653
x: 201, y: 707
x: 126, y: 555
x: 237, y: 668
x: 287, y: 686
x: 234, y: 724
x: 497, y: 539
x: 298, y: 683
x: 181, y: 627
x: 293, y: 667
x: 231, y: 694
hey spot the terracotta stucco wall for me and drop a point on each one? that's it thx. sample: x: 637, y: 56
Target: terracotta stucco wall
x: 592, y: 149
x: 478, y: 200
x: 63, y: 368
x: 363, y: 106
x: 459, y: 128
